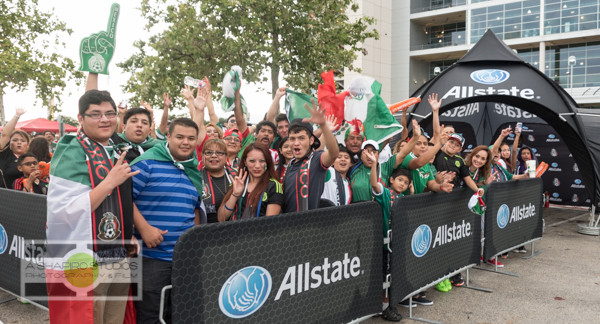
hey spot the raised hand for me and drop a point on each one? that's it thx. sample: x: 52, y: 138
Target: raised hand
x: 507, y: 131
x: 187, y: 93
x: 434, y: 102
x: 96, y: 50
x: 416, y: 128
x: 120, y: 172
x: 331, y: 121
x: 317, y: 115
x: 19, y: 112
x: 371, y: 157
x: 280, y: 92
x: 201, y: 97
x: 239, y: 182
x: 166, y: 101
x: 207, y: 86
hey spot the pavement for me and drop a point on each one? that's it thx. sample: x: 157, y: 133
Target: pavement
x: 560, y: 285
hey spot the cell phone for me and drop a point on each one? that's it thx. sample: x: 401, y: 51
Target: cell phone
x: 519, y: 127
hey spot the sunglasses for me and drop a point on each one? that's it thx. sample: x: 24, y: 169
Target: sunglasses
x: 29, y: 164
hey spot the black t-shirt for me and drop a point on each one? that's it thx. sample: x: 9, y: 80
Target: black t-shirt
x: 213, y: 193
x: 272, y: 195
x: 131, y: 154
x: 445, y: 162
x: 8, y: 165
x: 39, y: 188
x: 316, y: 182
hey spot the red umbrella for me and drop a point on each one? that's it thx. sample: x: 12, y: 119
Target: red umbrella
x: 41, y: 125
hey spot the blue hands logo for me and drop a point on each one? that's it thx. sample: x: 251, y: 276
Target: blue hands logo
x: 245, y: 291
x: 490, y: 76
x: 3, y: 239
x: 503, y: 216
x: 421, y: 240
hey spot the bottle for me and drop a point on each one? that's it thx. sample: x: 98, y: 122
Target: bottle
x: 519, y: 127
x: 194, y: 83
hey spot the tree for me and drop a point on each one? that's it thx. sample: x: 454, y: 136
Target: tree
x: 299, y: 38
x: 28, y: 41
x: 69, y: 120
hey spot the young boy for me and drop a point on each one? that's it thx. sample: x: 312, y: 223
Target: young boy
x: 30, y: 181
x: 399, y: 182
x: 336, y: 178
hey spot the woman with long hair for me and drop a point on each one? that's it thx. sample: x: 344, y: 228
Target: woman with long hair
x: 479, y: 162
x: 255, y: 191
x: 41, y: 149
x: 285, y: 156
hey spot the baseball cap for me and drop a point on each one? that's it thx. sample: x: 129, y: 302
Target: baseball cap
x: 230, y: 132
x: 369, y: 142
x: 457, y: 137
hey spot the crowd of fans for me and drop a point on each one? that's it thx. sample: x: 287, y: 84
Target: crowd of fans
x: 189, y: 172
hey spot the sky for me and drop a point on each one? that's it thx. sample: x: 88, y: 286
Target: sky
x: 85, y: 17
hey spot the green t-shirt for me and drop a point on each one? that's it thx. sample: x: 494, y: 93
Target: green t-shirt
x: 247, y: 141
x: 360, y: 179
x: 420, y: 176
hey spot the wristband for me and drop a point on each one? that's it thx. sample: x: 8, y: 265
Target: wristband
x: 227, y: 208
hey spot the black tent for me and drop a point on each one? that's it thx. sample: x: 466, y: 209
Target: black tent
x: 491, y: 74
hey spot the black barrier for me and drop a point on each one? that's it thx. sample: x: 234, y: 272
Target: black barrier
x: 513, y: 216
x: 321, y: 266
x: 434, y: 235
x: 22, y: 219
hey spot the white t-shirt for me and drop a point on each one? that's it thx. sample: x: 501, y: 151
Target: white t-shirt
x: 330, y: 189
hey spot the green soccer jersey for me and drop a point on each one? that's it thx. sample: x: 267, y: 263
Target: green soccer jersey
x: 361, y: 183
x: 420, y: 176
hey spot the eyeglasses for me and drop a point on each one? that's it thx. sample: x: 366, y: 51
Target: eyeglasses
x: 231, y: 121
x: 32, y: 163
x: 232, y: 139
x: 217, y: 153
x: 98, y: 115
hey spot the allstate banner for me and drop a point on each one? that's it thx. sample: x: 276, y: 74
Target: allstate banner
x: 434, y: 235
x: 22, y: 220
x: 320, y: 266
x: 513, y: 216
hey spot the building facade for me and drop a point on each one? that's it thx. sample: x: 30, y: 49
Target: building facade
x: 421, y: 38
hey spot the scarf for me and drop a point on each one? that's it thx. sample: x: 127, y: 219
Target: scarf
x: 302, y: 178
x: 160, y: 152
x: 107, y: 219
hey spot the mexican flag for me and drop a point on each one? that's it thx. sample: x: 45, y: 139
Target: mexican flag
x: 365, y: 104
x: 294, y: 104
x: 68, y: 216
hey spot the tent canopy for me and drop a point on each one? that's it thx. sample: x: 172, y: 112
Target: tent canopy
x: 492, y: 72
x: 41, y: 125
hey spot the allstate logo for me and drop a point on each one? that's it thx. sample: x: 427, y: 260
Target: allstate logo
x: 555, y: 195
x: 3, y: 239
x: 577, y: 181
x: 470, y: 146
x: 421, y: 240
x: 245, y: 291
x: 503, y: 216
x: 551, y: 136
x: 554, y: 153
x: 554, y: 164
x: 490, y: 76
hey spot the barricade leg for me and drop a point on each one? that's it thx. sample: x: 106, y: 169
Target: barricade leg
x: 163, y: 292
x: 468, y: 285
x: 418, y: 318
x: 533, y: 251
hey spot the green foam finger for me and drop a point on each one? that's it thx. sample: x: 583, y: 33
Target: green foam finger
x: 111, y: 27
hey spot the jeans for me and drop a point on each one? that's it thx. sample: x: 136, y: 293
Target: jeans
x: 155, y: 275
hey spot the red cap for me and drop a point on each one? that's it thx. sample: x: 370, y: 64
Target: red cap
x: 230, y: 132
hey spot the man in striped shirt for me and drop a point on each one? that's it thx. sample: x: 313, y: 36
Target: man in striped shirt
x: 167, y: 195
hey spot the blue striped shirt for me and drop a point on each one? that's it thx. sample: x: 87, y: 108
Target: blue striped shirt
x: 167, y: 199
